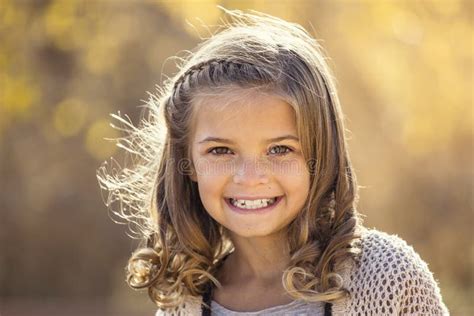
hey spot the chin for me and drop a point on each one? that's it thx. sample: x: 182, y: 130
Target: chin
x: 251, y: 233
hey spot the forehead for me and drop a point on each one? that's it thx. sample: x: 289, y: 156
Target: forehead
x: 243, y: 112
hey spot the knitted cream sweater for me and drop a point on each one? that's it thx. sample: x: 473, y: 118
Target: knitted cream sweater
x: 391, y: 279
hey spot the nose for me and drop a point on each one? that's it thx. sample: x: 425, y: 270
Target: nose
x: 250, y: 172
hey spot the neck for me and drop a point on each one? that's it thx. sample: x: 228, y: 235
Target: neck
x: 258, y: 258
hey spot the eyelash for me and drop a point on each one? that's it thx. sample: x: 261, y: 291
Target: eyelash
x: 288, y: 150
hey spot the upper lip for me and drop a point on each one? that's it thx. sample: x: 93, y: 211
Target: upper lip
x: 252, y: 197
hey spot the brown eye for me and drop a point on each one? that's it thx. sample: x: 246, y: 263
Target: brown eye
x: 218, y: 151
x: 281, y: 150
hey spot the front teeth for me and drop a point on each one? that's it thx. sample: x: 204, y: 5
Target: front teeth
x: 252, y: 204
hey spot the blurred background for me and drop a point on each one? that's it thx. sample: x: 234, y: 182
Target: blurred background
x: 405, y: 77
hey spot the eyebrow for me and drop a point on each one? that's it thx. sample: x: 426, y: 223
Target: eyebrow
x: 228, y: 141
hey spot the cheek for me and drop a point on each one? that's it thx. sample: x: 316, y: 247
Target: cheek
x: 211, y: 196
x: 210, y: 189
x: 297, y: 182
x: 299, y: 190
x: 293, y: 172
x: 213, y: 168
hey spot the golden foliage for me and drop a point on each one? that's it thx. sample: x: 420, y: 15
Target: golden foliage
x: 97, y: 133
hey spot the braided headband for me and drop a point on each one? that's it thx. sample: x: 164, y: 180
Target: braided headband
x: 202, y: 65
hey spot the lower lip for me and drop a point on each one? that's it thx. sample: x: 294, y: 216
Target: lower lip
x: 265, y: 209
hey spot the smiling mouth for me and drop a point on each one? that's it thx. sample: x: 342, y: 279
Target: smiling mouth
x: 249, y: 205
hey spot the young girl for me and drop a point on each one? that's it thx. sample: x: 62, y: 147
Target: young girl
x: 245, y: 193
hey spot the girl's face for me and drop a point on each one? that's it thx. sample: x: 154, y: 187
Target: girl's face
x: 248, y: 150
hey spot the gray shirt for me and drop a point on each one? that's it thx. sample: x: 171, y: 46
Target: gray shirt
x: 295, y: 308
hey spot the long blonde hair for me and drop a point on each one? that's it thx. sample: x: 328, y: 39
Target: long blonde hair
x: 182, y: 245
